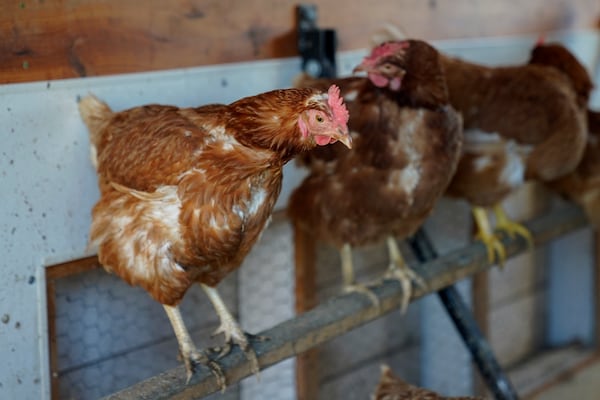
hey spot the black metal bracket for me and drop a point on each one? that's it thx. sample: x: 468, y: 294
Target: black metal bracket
x: 316, y: 46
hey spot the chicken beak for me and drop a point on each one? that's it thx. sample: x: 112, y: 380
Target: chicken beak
x: 345, y: 138
x: 359, y: 68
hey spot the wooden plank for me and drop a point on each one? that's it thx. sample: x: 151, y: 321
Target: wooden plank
x: 480, y: 301
x: 549, y: 368
x: 71, y: 268
x: 45, y: 40
x: 597, y: 291
x: 342, y: 313
x: 307, y: 371
x: 53, y: 349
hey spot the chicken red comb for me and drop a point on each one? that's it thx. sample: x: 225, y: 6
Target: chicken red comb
x: 541, y: 40
x: 385, y: 49
x: 336, y: 103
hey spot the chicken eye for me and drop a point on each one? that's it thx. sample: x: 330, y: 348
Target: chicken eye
x: 319, y: 118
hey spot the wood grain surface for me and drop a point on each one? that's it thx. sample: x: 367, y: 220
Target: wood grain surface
x: 53, y: 39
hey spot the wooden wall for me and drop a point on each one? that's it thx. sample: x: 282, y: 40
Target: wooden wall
x: 54, y: 39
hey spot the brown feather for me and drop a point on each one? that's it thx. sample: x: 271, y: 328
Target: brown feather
x: 391, y: 387
x: 406, y: 146
x: 583, y: 184
x: 535, y: 106
x: 186, y: 192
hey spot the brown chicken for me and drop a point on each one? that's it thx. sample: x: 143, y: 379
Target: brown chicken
x: 407, y: 142
x: 582, y: 186
x: 186, y: 192
x: 521, y: 123
x: 390, y: 387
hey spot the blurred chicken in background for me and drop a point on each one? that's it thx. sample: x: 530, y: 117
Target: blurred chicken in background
x: 407, y: 142
x: 521, y: 123
x: 391, y: 387
x: 582, y: 186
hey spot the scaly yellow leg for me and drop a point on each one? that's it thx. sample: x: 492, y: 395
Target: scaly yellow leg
x: 348, y: 276
x: 512, y: 228
x: 400, y: 271
x: 230, y: 329
x: 484, y: 233
x: 191, y: 356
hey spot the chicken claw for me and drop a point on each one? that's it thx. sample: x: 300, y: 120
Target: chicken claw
x: 400, y: 271
x: 348, y: 276
x: 492, y: 243
x: 188, y: 352
x: 194, y: 358
x: 231, y: 330
x: 363, y: 289
x: 512, y: 228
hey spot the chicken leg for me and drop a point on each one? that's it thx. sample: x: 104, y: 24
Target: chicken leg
x: 484, y: 233
x: 400, y: 271
x: 512, y: 228
x: 191, y: 356
x: 350, y: 285
x: 230, y: 329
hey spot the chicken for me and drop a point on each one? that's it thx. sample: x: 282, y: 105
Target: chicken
x: 407, y: 142
x: 582, y: 186
x: 521, y: 123
x: 390, y: 387
x: 186, y: 192
x: 557, y: 56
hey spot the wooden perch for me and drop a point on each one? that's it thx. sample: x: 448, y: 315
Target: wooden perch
x: 343, y: 313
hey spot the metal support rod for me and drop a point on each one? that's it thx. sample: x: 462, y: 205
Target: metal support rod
x: 465, y: 323
x: 342, y: 313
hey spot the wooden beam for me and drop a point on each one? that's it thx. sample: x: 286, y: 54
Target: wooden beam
x: 343, y: 313
x: 481, y: 303
x: 307, y: 372
x: 596, y: 278
x: 53, y: 353
x: 71, y: 268
x: 43, y: 40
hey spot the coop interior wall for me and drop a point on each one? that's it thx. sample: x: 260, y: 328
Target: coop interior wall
x: 49, y: 188
x: 395, y: 339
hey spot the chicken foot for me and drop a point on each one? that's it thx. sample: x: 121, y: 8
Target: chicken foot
x: 350, y: 286
x: 191, y: 356
x: 400, y: 271
x: 512, y: 228
x: 492, y: 244
x: 231, y: 330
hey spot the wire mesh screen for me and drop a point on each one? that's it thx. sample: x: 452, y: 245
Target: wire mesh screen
x: 110, y: 335
x: 349, y: 366
x: 267, y: 298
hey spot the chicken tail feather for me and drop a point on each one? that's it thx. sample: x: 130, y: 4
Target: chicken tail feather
x: 95, y: 113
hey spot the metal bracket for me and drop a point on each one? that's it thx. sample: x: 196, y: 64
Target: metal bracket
x: 316, y: 46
